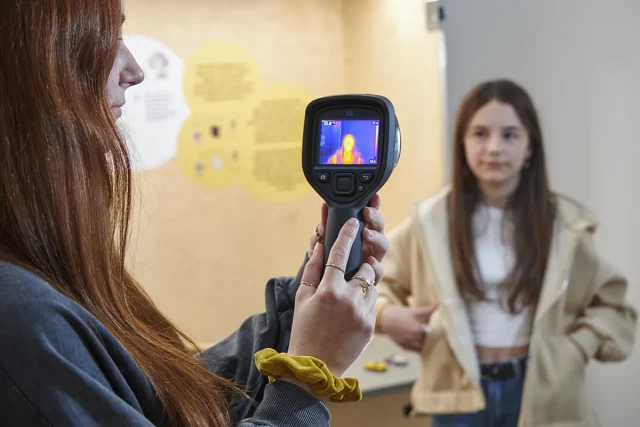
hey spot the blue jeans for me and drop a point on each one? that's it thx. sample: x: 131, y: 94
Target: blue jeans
x: 503, y: 398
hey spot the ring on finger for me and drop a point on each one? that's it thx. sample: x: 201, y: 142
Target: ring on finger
x: 319, y: 238
x: 337, y: 267
x: 365, y: 289
x: 365, y: 284
x: 302, y: 282
x: 365, y: 281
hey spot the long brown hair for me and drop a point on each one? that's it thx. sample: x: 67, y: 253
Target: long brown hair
x: 66, y: 185
x: 530, y: 207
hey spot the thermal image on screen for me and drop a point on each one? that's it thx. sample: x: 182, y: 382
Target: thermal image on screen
x: 349, y: 142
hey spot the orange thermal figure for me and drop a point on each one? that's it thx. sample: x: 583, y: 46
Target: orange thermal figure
x: 348, y: 154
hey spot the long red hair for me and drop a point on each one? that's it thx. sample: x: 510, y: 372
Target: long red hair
x: 66, y: 185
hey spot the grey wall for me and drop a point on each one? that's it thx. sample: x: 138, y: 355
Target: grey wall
x: 580, y: 60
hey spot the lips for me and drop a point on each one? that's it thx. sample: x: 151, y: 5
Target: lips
x: 117, y: 110
x: 494, y: 165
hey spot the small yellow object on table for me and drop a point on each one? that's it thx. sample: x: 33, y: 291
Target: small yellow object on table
x: 375, y: 366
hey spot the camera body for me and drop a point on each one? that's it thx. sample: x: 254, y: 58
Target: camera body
x: 351, y: 144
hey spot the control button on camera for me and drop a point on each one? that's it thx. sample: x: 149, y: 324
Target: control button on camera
x: 366, y: 178
x: 345, y: 184
x: 324, y: 177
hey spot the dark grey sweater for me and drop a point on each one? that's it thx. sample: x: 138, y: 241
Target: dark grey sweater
x: 59, y: 366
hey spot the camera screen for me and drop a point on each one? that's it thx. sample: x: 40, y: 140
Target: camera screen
x: 349, y: 142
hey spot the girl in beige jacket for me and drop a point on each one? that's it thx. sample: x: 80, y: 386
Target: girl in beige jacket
x: 496, y: 282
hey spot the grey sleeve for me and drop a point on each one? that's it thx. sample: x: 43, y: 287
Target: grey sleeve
x: 302, y: 409
x: 233, y: 357
x: 53, y: 372
x: 87, y: 407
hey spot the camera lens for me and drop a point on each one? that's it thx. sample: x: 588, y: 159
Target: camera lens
x: 397, y: 148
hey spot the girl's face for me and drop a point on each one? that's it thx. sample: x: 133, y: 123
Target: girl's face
x: 125, y: 73
x: 496, y: 146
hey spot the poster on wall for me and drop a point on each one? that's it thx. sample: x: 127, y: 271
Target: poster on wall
x: 219, y: 79
x: 155, y: 110
x: 242, y: 131
x: 274, y: 130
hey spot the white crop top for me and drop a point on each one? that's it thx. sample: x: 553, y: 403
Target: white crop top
x: 492, y: 324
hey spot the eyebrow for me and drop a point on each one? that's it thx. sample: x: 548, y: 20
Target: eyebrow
x: 513, y: 128
x: 506, y: 128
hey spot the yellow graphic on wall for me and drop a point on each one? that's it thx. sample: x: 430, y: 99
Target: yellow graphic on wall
x: 274, y: 162
x: 221, y: 74
x: 242, y: 131
x: 209, y: 150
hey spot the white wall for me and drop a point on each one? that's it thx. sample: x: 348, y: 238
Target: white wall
x: 580, y: 59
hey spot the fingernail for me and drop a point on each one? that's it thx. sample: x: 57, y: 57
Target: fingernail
x: 368, y: 233
x: 352, y: 223
x: 371, y: 211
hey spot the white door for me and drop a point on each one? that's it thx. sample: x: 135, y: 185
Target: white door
x: 580, y: 59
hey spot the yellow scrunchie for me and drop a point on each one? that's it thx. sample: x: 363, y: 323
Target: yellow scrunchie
x: 308, y: 370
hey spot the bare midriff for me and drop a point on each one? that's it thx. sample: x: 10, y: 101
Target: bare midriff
x: 500, y: 354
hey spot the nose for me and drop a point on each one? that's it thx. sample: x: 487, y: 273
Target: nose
x: 493, y: 144
x: 132, y: 74
x: 135, y: 75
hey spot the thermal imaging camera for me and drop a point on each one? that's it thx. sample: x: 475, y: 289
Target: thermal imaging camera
x: 351, y: 144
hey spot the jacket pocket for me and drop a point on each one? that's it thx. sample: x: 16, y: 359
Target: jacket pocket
x: 435, y: 332
x: 438, y: 362
x: 577, y: 352
x: 557, y: 384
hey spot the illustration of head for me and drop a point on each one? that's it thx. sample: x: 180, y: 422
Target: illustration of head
x: 159, y: 62
x: 348, y: 142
